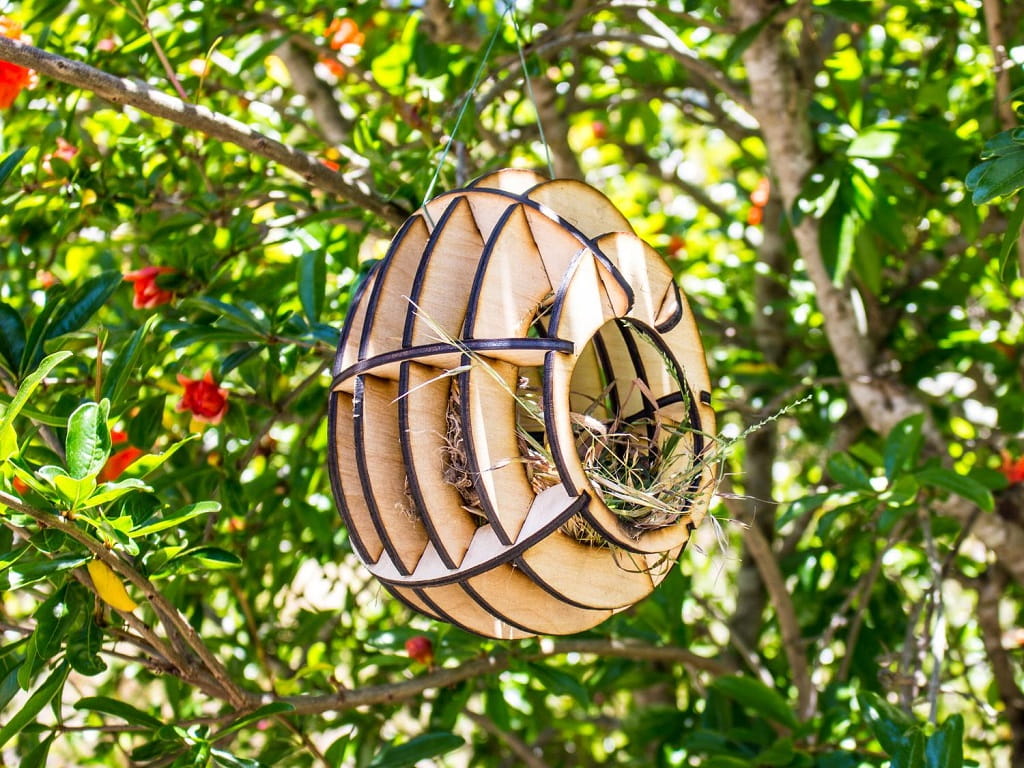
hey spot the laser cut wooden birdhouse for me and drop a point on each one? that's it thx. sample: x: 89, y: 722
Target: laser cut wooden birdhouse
x: 520, y: 416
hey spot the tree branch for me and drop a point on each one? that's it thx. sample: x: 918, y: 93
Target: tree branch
x: 119, y: 90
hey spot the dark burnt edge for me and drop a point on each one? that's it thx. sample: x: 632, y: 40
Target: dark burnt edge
x: 705, y: 397
x: 676, y: 316
x: 552, y: 434
x: 626, y: 333
x: 478, y: 346
x: 424, y: 265
x: 601, y: 349
x: 408, y: 459
x: 350, y: 316
x: 522, y: 565
x: 445, y: 616
x: 547, y: 211
x: 558, y: 302
x: 364, y: 477
x: 473, y: 300
x: 393, y: 591
x: 662, y: 402
x: 374, y: 298
x: 511, y: 552
x: 487, y: 606
x: 472, y: 465
x: 334, y: 471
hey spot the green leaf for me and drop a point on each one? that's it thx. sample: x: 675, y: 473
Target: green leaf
x: 204, y: 558
x: 83, y: 303
x: 945, y: 748
x: 745, y: 37
x: 120, y: 709
x: 84, y: 649
x: 267, y: 710
x: 226, y: 759
x: 12, y: 337
x: 38, y: 755
x: 910, y: 753
x: 88, y: 441
x: 109, y: 492
x: 558, y: 682
x: 54, y: 618
x: 9, y: 163
x: 39, y: 699
x: 903, y: 445
x: 29, y: 386
x: 1011, y: 236
x: 9, y: 687
x: 124, y: 365
x: 887, y: 722
x: 999, y: 176
x: 74, y: 492
x: 961, y: 485
x: 798, y: 507
x: 155, y: 524
x: 837, y: 235
x: 847, y: 471
x: 758, y: 697
x: 423, y: 747
x: 22, y: 574
x: 148, y: 462
x: 312, y: 279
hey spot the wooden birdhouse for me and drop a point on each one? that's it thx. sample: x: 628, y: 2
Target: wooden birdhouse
x: 520, y: 416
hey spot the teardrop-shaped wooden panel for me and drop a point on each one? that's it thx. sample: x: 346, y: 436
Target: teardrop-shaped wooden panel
x: 424, y: 426
x: 488, y: 400
x: 348, y: 489
x: 581, y: 205
x: 388, y: 302
x: 588, y: 576
x: 510, y: 281
x: 509, y: 593
x: 458, y: 607
x: 355, y: 321
x: 518, y: 181
x: 445, y: 277
x: 378, y: 455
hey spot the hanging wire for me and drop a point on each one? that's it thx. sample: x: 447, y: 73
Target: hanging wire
x: 468, y: 99
x: 529, y: 89
x: 462, y: 111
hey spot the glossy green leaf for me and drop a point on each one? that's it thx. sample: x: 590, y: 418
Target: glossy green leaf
x: 161, y: 523
x: 120, y: 709
x: 125, y: 365
x: 961, y: 485
x: 759, y: 698
x: 849, y: 472
x: 12, y: 337
x: 945, y: 746
x: 911, y: 752
x: 887, y: 722
x: 29, y: 386
x: 35, y: 703
x: 312, y: 280
x: 10, y: 162
x: 81, y: 304
x: 422, y: 747
x: 88, y: 441
x: 903, y: 445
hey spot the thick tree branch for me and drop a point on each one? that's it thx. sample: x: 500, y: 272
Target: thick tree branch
x: 119, y: 90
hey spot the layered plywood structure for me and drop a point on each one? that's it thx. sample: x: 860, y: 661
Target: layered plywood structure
x: 514, y: 281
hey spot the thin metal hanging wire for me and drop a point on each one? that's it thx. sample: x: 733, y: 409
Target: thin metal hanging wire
x: 468, y: 99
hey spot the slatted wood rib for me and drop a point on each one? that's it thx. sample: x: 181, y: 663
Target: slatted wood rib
x: 512, y: 284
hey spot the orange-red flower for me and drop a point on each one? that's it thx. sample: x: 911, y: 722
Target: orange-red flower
x: 206, y: 401
x: 755, y: 215
x: 342, y: 32
x: 420, y: 649
x: 147, y: 293
x: 12, y: 77
x: 1012, y: 469
x: 761, y: 193
x: 330, y: 164
x: 20, y: 486
x: 119, y: 461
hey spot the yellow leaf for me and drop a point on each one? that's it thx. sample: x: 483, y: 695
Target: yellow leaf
x: 109, y: 587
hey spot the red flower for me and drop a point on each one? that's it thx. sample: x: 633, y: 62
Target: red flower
x: 599, y: 129
x: 330, y: 164
x: 119, y: 461
x: 147, y: 293
x: 755, y: 215
x: 676, y: 243
x: 420, y: 649
x: 20, y: 486
x: 12, y: 77
x: 343, y: 32
x: 336, y: 67
x: 1012, y: 469
x: 203, y: 398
